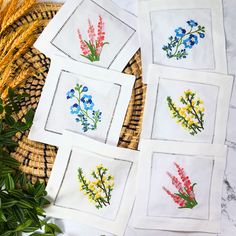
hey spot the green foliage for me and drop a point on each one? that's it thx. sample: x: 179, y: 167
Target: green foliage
x: 21, y: 203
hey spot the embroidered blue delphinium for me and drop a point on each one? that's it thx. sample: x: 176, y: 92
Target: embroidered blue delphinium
x: 183, y: 40
x: 83, y: 108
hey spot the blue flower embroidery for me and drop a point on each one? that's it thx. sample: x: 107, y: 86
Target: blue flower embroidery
x: 70, y: 94
x: 190, y: 41
x: 83, y: 109
x: 184, y: 40
x: 85, y: 89
x: 192, y: 23
x: 201, y: 35
x: 75, y: 109
x: 87, y: 101
x: 180, y: 32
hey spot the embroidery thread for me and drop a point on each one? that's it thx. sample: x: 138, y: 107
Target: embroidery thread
x: 99, y: 190
x: 191, y: 114
x: 83, y: 108
x: 185, y: 197
x: 184, y: 40
x: 92, y: 49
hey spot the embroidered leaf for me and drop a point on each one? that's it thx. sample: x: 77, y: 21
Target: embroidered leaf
x: 184, y: 40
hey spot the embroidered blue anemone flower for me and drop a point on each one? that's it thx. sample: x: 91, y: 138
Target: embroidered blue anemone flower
x: 75, y: 109
x: 87, y: 101
x: 192, y: 23
x: 180, y: 32
x: 190, y: 41
x: 85, y: 89
x: 202, y: 35
x: 70, y: 94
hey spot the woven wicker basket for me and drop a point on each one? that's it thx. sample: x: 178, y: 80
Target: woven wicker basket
x: 36, y: 158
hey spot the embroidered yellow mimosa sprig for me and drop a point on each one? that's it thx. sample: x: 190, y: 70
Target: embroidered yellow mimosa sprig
x: 191, y: 114
x: 100, y: 188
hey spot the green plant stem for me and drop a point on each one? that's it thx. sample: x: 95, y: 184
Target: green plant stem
x: 185, y: 121
x: 103, y: 186
x: 195, y: 113
x: 81, y: 177
x: 84, y: 112
x: 181, y: 40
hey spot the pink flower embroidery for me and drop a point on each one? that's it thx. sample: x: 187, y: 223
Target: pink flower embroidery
x: 92, y: 49
x: 185, y: 197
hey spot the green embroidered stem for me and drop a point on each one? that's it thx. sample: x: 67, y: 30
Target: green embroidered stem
x: 99, y: 190
x: 184, y: 40
x: 78, y: 88
x: 190, y: 116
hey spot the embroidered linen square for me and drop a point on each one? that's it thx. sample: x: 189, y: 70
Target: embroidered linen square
x: 179, y: 186
x: 188, y: 106
x: 97, y: 32
x: 93, y: 183
x: 184, y: 34
x: 82, y: 98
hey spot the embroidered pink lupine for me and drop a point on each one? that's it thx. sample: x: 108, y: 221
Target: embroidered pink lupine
x: 92, y: 49
x: 176, y: 198
x: 101, y: 36
x: 176, y: 182
x: 185, y: 197
x: 91, y: 33
x: 185, y: 179
x: 83, y: 45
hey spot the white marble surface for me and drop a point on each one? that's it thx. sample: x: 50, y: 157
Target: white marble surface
x: 229, y: 189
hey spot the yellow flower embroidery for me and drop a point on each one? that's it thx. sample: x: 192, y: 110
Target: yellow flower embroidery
x: 190, y: 115
x: 99, y: 190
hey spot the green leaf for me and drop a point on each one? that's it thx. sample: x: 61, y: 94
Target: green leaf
x: 18, y: 213
x: 11, y: 93
x: 39, y: 234
x: 29, y: 116
x: 55, y: 228
x: 17, y: 193
x: 9, y: 133
x: 9, y: 204
x: 9, y: 120
x: 10, y: 185
x: 2, y: 216
x: 7, y: 233
x: 24, y: 225
x: 8, y: 109
x: 1, y: 109
x: 24, y: 204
